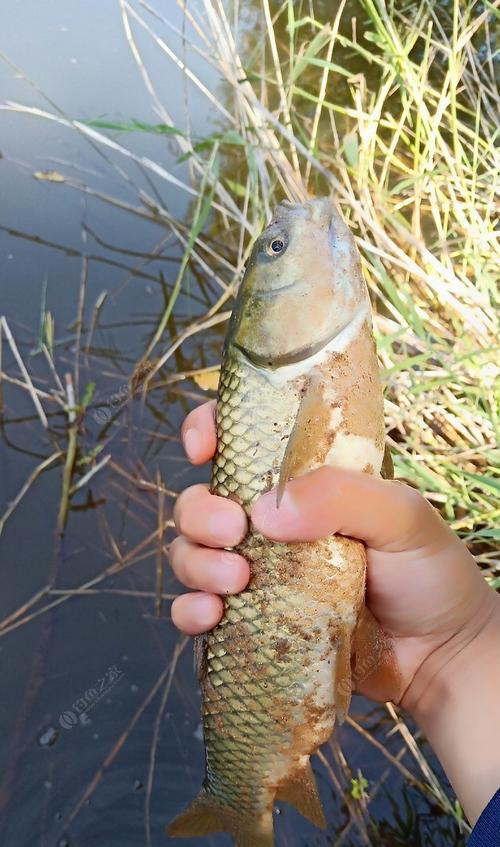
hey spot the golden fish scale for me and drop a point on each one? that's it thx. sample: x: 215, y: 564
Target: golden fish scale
x: 259, y: 664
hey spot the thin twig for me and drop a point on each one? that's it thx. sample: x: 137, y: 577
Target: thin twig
x: 159, y: 552
x: 180, y: 646
x: 117, y: 747
x: 22, y: 367
x: 90, y: 473
x: 71, y: 449
x: 26, y: 486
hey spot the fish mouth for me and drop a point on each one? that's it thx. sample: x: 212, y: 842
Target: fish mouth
x: 286, y: 210
x: 314, y: 209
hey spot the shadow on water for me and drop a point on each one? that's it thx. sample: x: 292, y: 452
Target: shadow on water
x: 100, y: 728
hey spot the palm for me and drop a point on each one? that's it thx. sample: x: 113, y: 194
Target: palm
x: 410, y: 595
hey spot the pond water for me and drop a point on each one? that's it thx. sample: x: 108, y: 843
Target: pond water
x: 100, y: 738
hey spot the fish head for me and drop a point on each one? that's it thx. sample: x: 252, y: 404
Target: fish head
x: 302, y: 286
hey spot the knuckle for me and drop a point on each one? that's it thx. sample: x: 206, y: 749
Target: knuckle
x: 414, y: 500
x: 417, y: 507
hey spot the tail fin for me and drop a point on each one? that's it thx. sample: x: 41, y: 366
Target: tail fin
x: 201, y: 817
x: 205, y: 815
x: 255, y: 839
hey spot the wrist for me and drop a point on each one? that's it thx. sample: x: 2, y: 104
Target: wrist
x: 455, y: 699
x: 444, y: 671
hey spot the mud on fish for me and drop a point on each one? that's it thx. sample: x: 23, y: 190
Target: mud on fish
x: 299, y: 389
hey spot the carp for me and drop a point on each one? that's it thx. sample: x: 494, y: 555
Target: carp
x: 299, y: 389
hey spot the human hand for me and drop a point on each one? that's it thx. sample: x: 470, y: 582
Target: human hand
x: 423, y: 586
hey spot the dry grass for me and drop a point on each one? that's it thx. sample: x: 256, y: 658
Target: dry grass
x: 396, y: 113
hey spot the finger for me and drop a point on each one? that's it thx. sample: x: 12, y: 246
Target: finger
x: 207, y: 519
x: 205, y: 569
x: 198, y: 433
x: 386, y: 515
x: 197, y: 612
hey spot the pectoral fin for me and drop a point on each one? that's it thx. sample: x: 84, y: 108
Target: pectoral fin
x: 387, y: 469
x: 302, y: 447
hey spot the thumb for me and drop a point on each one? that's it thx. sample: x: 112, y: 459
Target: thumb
x: 386, y: 515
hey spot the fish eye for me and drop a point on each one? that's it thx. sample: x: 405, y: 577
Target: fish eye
x: 276, y: 246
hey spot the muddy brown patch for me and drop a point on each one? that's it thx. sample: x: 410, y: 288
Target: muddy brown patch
x: 356, y: 380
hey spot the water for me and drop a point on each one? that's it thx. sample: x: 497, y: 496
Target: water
x: 90, y: 695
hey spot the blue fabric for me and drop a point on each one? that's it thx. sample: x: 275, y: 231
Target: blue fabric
x: 486, y: 832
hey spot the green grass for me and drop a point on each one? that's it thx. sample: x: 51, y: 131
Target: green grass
x: 397, y: 117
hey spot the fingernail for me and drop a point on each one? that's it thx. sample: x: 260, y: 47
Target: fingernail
x: 271, y: 520
x: 227, y: 528
x: 192, y: 443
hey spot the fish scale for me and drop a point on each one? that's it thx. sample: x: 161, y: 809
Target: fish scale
x: 250, y: 447
x: 258, y: 624
x: 275, y: 672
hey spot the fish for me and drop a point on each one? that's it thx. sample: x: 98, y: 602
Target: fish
x: 299, y: 388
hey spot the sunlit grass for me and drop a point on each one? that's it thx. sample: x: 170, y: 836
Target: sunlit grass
x: 396, y: 114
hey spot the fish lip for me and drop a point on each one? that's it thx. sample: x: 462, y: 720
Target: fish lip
x: 311, y: 209
x: 285, y: 209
